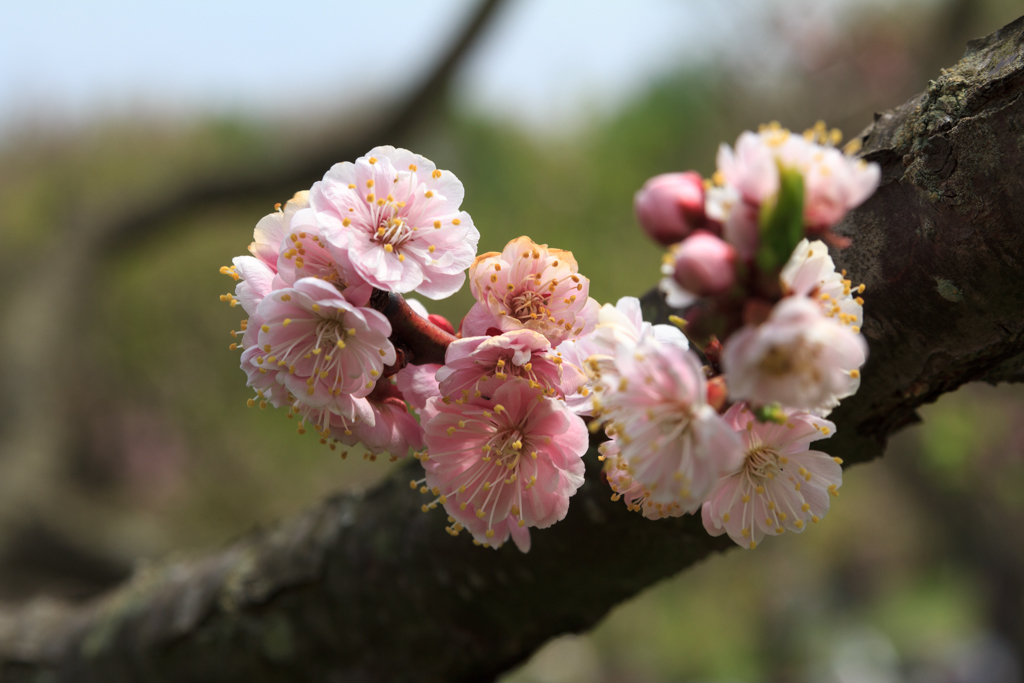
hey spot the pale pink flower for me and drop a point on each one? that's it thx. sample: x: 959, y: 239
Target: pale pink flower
x: 740, y: 219
x: 528, y: 286
x: 479, y: 365
x: 653, y: 403
x: 272, y: 230
x: 255, y: 280
x: 418, y: 384
x: 781, y: 485
x: 305, y: 252
x: 798, y: 358
x: 810, y: 272
x: 502, y: 465
x: 573, y: 355
x: 620, y: 324
x: 396, y: 218
x: 318, y: 345
x: 623, y: 323
x: 834, y: 183
x: 631, y: 492
x: 669, y: 206
x: 390, y: 430
x: 340, y: 416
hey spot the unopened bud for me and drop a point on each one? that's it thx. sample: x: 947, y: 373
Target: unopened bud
x: 717, y: 393
x: 670, y: 206
x: 442, y: 322
x: 705, y: 264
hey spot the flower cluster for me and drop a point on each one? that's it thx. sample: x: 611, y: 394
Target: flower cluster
x: 496, y: 411
x: 388, y: 222
x: 780, y: 330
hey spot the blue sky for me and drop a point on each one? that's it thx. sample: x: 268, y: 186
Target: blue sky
x: 544, y: 63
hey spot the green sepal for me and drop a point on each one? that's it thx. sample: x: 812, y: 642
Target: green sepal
x: 770, y: 413
x: 782, y: 222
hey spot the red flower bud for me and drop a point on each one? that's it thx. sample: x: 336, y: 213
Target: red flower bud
x: 670, y: 206
x: 717, y: 393
x: 705, y: 264
x: 442, y: 322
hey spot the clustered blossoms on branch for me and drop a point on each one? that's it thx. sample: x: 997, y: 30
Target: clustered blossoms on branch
x: 497, y: 412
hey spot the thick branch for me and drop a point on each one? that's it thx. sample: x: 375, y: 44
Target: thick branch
x: 370, y: 589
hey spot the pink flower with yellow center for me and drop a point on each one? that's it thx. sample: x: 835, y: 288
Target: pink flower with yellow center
x: 305, y: 252
x: 798, y: 357
x: 395, y: 217
x: 502, y: 465
x: 748, y: 176
x: 528, y: 286
x: 479, y: 365
x: 318, y: 345
x: 652, y: 401
x: 811, y: 272
x: 781, y: 485
x: 620, y: 324
x: 271, y: 231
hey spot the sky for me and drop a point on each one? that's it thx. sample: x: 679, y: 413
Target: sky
x: 544, y: 63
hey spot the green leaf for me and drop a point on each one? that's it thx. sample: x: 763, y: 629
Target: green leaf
x: 782, y: 222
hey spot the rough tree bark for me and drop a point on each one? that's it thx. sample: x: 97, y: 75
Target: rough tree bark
x: 368, y: 588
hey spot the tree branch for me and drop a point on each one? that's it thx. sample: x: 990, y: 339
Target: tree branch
x: 368, y: 588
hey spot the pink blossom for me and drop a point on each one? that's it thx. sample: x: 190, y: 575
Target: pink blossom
x: 669, y: 206
x: 653, y: 403
x: 272, y: 230
x: 739, y: 218
x: 318, y: 346
x: 305, y: 252
x: 502, y: 465
x: 255, y: 280
x: 634, y: 494
x: 418, y: 384
x: 390, y: 430
x: 396, y: 218
x: 834, y: 183
x: 528, y: 286
x: 798, y: 357
x: 705, y: 264
x: 810, y: 272
x: 781, y: 485
x: 621, y: 324
x: 481, y: 364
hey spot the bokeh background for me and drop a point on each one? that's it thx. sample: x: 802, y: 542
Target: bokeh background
x: 124, y: 434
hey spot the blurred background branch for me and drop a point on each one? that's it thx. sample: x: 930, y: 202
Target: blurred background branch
x: 47, y: 381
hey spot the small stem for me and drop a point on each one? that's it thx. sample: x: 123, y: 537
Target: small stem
x: 424, y: 342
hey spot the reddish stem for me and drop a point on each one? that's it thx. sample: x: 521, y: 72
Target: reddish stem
x: 422, y: 341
